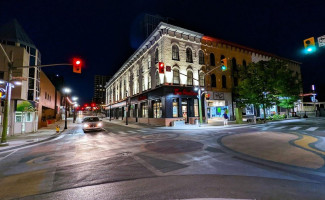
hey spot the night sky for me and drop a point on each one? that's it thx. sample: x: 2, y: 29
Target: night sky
x: 106, y: 33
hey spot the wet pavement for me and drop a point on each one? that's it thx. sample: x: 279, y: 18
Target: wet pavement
x: 134, y: 162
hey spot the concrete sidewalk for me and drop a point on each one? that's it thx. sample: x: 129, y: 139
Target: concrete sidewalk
x: 42, y: 134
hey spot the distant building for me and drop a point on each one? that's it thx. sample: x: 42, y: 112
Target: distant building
x: 150, y: 23
x: 99, y: 88
x: 25, y: 97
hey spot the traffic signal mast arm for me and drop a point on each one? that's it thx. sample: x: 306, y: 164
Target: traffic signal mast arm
x: 51, y: 65
x: 206, y: 73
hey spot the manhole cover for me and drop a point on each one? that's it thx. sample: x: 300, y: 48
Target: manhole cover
x: 174, y: 146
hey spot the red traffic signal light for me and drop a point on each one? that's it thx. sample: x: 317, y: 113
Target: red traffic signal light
x: 93, y: 105
x: 77, y: 64
x: 161, y: 67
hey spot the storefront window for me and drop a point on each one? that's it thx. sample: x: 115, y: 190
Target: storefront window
x: 131, y: 110
x: 175, y: 107
x: 144, y: 108
x: 19, y: 117
x: 196, y: 107
x: 157, y: 109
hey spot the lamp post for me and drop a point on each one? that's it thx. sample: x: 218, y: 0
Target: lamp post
x: 200, y: 92
x: 74, y: 99
x: 66, y: 91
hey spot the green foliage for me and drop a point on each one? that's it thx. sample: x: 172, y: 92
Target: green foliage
x: 276, y: 117
x: 265, y: 82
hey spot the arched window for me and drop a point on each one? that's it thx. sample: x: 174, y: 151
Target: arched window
x: 213, y: 80
x: 234, y: 64
x: 224, y: 81
x: 189, y: 77
x: 156, y: 56
x: 189, y: 55
x: 201, y: 78
x: 244, y: 63
x: 212, y: 60
x: 222, y: 57
x: 157, y: 79
x: 201, y: 57
x: 175, y: 52
x: 175, y: 76
x: 235, y: 81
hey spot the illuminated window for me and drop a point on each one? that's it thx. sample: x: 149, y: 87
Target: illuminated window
x: 149, y: 62
x: 175, y: 52
x: 196, y: 107
x: 176, y: 76
x: 157, y: 109
x: 149, y: 82
x: 189, y: 77
x: 175, y: 107
x: 201, y: 57
x: 144, y: 109
x: 212, y: 60
x: 189, y: 55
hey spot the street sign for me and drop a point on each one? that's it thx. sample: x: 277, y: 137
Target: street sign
x: 321, y: 41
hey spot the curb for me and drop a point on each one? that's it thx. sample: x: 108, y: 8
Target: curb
x: 55, y: 135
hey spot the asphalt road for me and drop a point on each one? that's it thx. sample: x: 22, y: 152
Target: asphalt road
x: 122, y: 162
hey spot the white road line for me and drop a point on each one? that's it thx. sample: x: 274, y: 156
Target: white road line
x: 8, y: 155
x: 312, y: 128
x: 143, y: 131
x: 122, y: 132
x: 295, y: 128
x: 280, y: 127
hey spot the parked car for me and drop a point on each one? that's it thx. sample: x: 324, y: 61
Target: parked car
x: 91, y: 123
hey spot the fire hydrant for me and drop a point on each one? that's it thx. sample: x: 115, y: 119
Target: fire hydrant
x: 57, y: 128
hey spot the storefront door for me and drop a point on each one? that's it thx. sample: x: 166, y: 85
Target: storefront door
x: 185, y: 110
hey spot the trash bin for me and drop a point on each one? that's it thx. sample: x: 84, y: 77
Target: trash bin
x: 196, y: 122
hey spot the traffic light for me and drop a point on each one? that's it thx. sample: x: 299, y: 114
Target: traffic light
x: 224, y: 64
x: 309, y: 45
x: 77, y: 64
x: 161, y: 67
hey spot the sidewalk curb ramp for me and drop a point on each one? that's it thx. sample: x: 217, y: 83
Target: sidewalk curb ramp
x: 55, y: 135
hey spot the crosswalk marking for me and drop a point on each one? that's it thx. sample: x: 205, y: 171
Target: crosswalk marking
x: 311, y: 128
x: 280, y: 127
x: 295, y: 128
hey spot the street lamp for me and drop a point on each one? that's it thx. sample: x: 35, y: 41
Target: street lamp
x: 200, y: 92
x: 66, y: 91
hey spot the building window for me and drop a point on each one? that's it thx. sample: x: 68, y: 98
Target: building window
x: 234, y: 64
x: 176, y: 76
x: 175, y: 107
x: 201, y: 57
x: 2, y: 73
x: 235, y: 81
x: 201, y: 78
x: 157, y: 79
x: 157, y: 109
x: 224, y: 81
x: 149, y: 82
x: 213, y: 80
x: 144, y: 109
x: 244, y: 63
x: 212, y: 60
x: 189, y: 55
x: 18, y: 117
x: 149, y: 62
x: 189, y: 77
x: 143, y: 84
x: 196, y: 107
x: 156, y: 56
x: 29, y: 117
x: 175, y: 52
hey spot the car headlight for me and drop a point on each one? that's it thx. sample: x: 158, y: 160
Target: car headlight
x: 86, y: 125
x: 99, y: 124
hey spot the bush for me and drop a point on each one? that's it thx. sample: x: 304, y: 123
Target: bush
x: 276, y: 117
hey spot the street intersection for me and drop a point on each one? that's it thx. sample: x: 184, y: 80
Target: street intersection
x: 142, y: 162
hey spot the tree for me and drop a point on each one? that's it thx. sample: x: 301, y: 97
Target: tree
x: 264, y: 82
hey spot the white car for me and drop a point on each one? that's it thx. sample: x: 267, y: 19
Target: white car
x: 92, y: 123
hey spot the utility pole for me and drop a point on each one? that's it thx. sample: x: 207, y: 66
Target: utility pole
x: 7, y: 102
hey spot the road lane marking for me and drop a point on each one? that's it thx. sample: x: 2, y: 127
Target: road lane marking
x: 132, y: 132
x: 280, y: 127
x: 8, y: 154
x: 143, y: 131
x: 295, y: 128
x: 312, y: 129
x: 122, y: 132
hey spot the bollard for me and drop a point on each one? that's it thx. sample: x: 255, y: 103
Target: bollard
x: 57, y: 128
